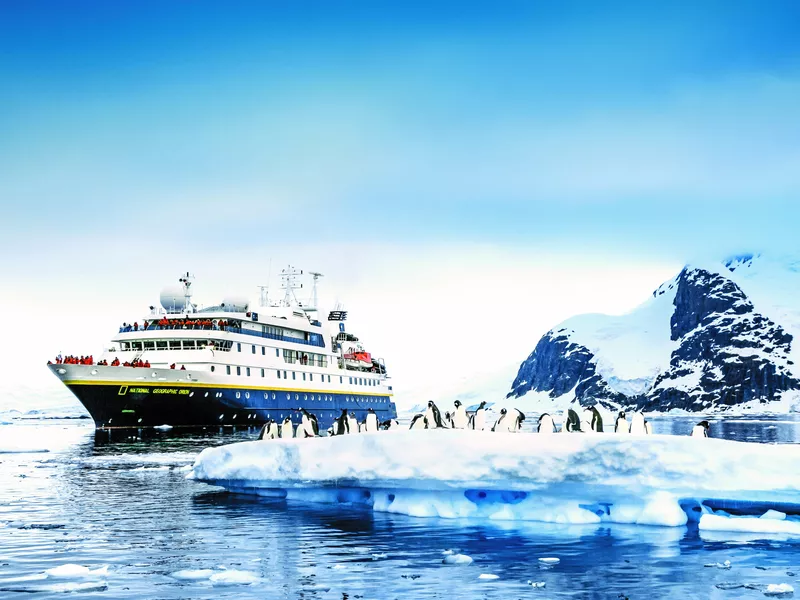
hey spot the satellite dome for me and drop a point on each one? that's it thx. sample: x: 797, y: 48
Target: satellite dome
x: 235, y: 304
x: 173, y: 299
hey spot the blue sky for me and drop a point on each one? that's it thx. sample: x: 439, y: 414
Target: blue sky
x: 139, y: 139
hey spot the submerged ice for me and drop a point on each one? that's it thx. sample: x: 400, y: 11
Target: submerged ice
x: 648, y: 480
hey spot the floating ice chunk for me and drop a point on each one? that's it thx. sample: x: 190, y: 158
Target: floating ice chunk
x: 537, y: 584
x: 729, y: 585
x: 550, y: 560
x: 449, y: 552
x: 488, y: 576
x: 71, y: 571
x: 778, y: 589
x: 339, y: 567
x: 748, y: 524
x: 457, y: 559
x: 774, y: 515
x: 722, y: 565
x: 379, y: 556
x: 235, y: 577
x: 163, y: 427
x: 192, y: 574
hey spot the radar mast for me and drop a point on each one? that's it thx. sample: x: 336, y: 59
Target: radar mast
x: 289, y: 284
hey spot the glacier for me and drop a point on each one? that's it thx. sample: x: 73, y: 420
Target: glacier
x: 572, y: 478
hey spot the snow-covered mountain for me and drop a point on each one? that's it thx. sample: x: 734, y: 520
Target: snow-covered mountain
x: 716, y: 336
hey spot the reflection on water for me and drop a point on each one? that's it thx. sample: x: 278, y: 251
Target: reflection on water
x: 121, y: 499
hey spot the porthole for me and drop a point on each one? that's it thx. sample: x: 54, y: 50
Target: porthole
x: 234, y: 416
x: 288, y: 396
x: 265, y: 395
x: 191, y: 394
x: 297, y: 396
x: 247, y: 394
x: 238, y: 394
x: 212, y: 368
x: 305, y: 396
x: 273, y: 395
x: 205, y: 395
x: 154, y: 374
x: 94, y: 371
x: 222, y: 416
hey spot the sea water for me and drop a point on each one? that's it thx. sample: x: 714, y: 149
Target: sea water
x: 111, y: 514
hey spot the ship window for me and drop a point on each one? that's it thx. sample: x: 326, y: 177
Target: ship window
x: 212, y: 368
x: 294, y: 375
x: 136, y: 345
x: 288, y: 397
x: 311, y: 377
x: 263, y: 350
x: 297, y: 396
x: 248, y: 371
x: 238, y: 370
x: 161, y: 345
x: 238, y: 347
x: 304, y: 376
x: 247, y: 394
x: 228, y: 369
x: 188, y: 344
x: 285, y: 376
x: 278, y: 373
x: 351, y: 380
x: 262, y: 372
x: 254, y: 349
x: 149, y: 345
x: 277, y: 352
x: 238, y: 394
x: 125, y: 346
x: 340, y: 379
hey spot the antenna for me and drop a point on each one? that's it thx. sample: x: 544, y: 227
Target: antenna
x: 186, y: 281
x: 315, y: 277
x: 289, y: 283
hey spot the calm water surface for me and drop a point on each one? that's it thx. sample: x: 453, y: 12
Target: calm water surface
x: 121, y: 502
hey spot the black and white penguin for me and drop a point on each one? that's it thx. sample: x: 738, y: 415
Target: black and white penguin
x: 701, y: 429
x: 501, y: 424
x: 572, y: 423
x: 648, y: 429
x: 352, y: 423
x: 390, y: 425
x: 517, y: 417
x: 637, y: 424
x: 597, y: 420
x: 460, y: 417
x: 287, y: 429
x: 546, y: 424
x: 371, y: 423
x: 419, y: 422
x: 341, y: 424
x: 433, y: 416
x: 479, y: 417
x: 309, y: 425
x: 621, y: 424
x: 263, y: 431
x: 273, y: 431
x: 586, y: 420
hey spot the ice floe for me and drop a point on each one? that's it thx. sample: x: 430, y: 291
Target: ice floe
x: 488, y: 576
x: 457, y: 559
x: 646, y: 480
x: 220, y: 576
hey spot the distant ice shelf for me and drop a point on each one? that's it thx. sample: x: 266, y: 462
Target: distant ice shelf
x: 561, y: 478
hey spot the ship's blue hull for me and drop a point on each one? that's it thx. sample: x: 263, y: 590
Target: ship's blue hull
x: 113, y: 405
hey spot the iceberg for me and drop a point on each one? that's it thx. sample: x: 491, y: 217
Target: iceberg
x: 572, y: 478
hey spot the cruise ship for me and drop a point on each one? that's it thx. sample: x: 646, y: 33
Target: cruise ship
x: 230, y: 365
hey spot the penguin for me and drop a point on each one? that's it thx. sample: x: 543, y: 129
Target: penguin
x: 648, y: 429
x: 586, y: 420
x: 448, y: 420
x: 637, y: 424
x: 701, y: 429
x: 309, y: 425
x: 460, y: 418
x: 263, y: 431
x: 501, y: 424
x: 419, y: 422
x: 371, y: 423
x: 546, y: 424
x: 433, y: 416
x: 273, y: 432
x: 572, y: 423
x: 287, y: 429
x: 298, y: 432
x: 597, y: 420
x: 390, y: 425
x: 352, y: 423
x: 517, y: 417
x: 341, y: 425
x: 621, y: 425
x: 478, y: 419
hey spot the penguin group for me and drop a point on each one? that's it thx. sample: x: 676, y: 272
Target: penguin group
x: 459, y: 419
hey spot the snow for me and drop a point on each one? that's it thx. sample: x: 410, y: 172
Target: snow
x: 778, y: 589
x: 570, y: 478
